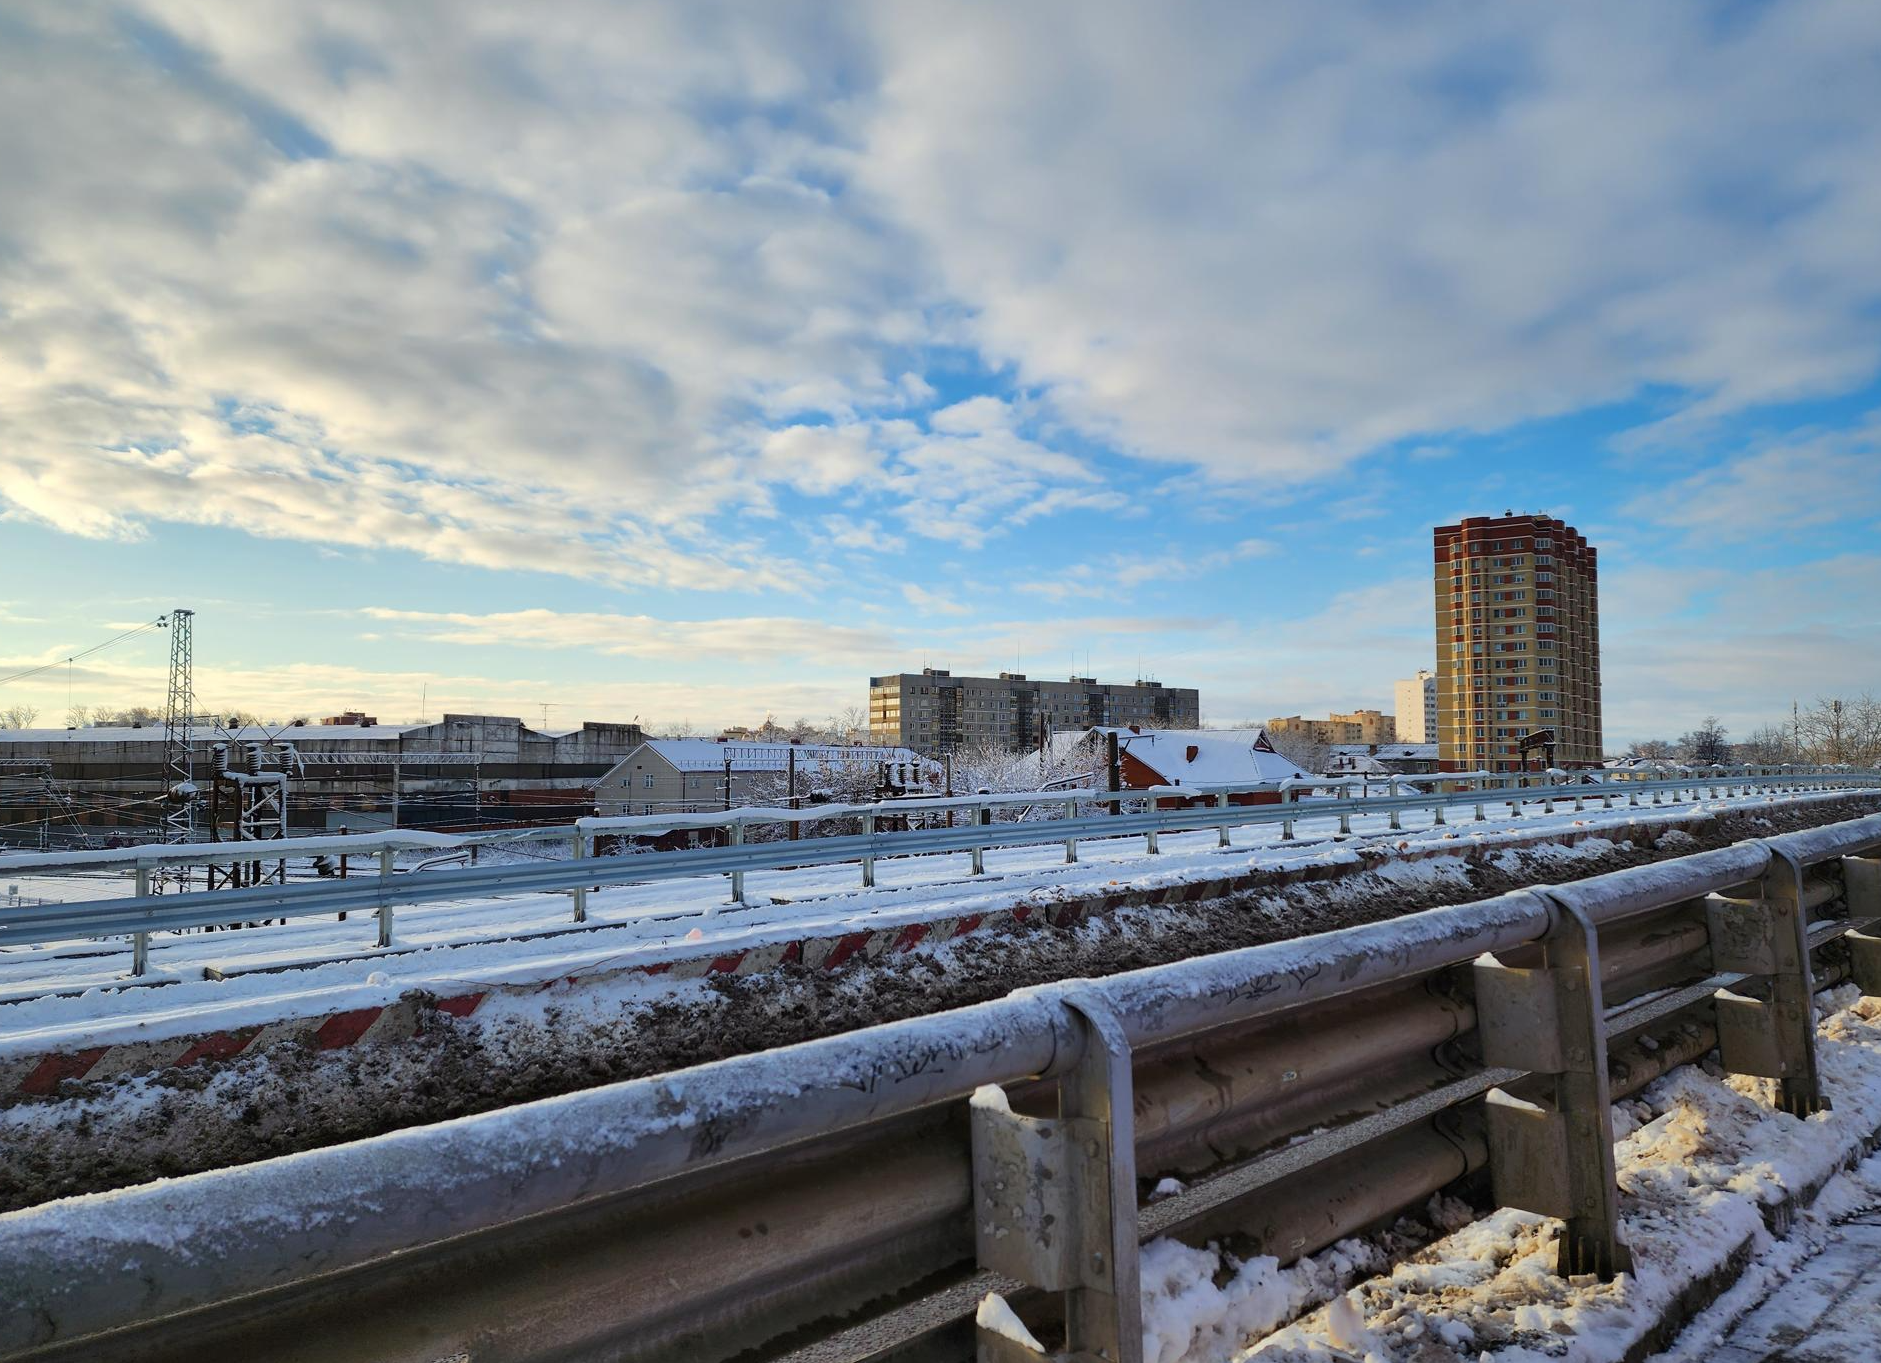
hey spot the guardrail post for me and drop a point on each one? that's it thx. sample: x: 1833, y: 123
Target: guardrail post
x: 981, y: 816
x: 579, y: 850
x: 1547, y: 801
x: 385, y: 905
x: 1286, y: 830
x: 1556, y: 1160
x: 738, y: 877
x: 1149, y: 839
x: 1437, y: 815
x: 1055, y: 1198
x: 1221, y: 803
x: 1071, y: 843
x: 1391, y: 792
x: 1769, y: 937
x: 140, y: 941
x: 1861, y: 887
x: 868, y: 859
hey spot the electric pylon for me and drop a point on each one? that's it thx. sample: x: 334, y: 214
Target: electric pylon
x: 179, y: 768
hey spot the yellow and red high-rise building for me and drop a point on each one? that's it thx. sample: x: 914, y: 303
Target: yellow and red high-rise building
x: 1518, y: 641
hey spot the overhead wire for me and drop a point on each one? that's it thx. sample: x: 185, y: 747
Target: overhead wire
x: 68, y: 660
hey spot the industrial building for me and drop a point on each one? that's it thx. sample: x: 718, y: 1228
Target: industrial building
x: 59, y: 786
x: 1518, y: 643
x: 692, y: 775
x: 933, y: 711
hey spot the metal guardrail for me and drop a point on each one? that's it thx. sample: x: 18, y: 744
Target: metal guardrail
x: 137, y: 916
x: 798, y: 1186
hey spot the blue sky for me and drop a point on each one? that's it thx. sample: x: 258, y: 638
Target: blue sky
x: 694, y: 362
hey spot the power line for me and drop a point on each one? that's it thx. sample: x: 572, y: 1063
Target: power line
x: 84, y: 653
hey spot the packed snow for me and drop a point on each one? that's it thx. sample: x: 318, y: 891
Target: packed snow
x: 1700, y: 1156
x: 75, y: 994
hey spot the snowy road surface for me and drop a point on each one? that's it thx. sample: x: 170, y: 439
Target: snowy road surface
x: 52, y: 996
x: 1829, y: 1312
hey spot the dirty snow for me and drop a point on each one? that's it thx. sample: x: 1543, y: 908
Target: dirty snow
x: 1701, y: 1155
x: 78, y: 994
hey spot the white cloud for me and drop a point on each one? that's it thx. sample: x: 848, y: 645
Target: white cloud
x: 560, y: 288
x: 755, y: 639
x: 1804, y: 482
x: 934, y: 603
x: 1118, y: 574
x: 1281, y: 238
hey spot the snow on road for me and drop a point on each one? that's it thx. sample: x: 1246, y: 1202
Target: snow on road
x: 1701, y: 1156
x: 79, y: 993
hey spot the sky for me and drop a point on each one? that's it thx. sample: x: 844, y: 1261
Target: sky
x: 692, y: 362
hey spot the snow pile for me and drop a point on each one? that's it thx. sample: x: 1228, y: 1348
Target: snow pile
x: 1701, y: 1155
x: 1203, y: 1304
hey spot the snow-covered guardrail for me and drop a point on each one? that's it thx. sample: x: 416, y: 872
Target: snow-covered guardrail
x: 802, y: 1183
x: 382, y: 894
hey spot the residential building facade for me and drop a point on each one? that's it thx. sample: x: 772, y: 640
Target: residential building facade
x: 1360, y: 726
x: 1518, y: 641
x: 1210, y: 758
x: 933, y: 711
x: 1416, y: 700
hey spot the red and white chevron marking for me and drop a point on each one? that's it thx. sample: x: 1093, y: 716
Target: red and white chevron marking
x: 399, y: 1021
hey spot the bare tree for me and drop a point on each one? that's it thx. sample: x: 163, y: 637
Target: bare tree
x: 1826, y: 727
x: 1864, y: 730
x: 1705, y: 746
x: 125, y: 718
x: 1652, y: 749
x: 18, y: 717
x: 1767, y: 746
x: 1304, y: 751
x: 77, y: 716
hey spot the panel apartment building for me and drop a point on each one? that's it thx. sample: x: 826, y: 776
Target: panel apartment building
x: 1417, y: 707
x: 1361, y: 726
x: 933, y: 711
x: 1518, y: 641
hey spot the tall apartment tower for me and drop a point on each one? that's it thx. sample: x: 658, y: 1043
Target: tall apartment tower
x: 1518, y: 641
x: 1417, y: 707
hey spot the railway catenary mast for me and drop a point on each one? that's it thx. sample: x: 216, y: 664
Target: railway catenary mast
x: 179, y: 783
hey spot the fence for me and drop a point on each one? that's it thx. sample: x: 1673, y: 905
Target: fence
x: 996, y: 1148
x: 137, y: 916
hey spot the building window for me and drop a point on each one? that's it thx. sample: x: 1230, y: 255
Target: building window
x: 647, y: 781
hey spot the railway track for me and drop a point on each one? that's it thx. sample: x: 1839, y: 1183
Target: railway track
x: 829, y: 1201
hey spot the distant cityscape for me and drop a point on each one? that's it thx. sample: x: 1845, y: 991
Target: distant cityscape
x: 1516, y: 685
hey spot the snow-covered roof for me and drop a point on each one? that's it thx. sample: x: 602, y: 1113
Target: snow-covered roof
x: 705, y: 754
x: 1196, y: 757
x: 153, y: 733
